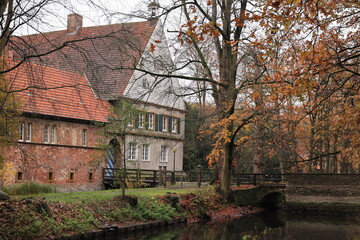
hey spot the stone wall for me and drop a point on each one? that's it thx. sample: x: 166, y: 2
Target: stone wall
x: 337, y: 189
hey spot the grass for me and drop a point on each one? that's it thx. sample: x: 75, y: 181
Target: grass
x: 47, y: 215
x: 29, y: 188
x: 104, y: 195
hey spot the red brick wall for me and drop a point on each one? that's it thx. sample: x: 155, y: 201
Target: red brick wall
x: 36, y: 159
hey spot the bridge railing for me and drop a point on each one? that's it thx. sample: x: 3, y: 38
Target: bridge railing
x: 152, y: 178
x: 257, y: 179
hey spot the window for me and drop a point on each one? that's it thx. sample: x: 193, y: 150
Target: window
x: 173, y: 125
x: 164, y: 123
x: 141, y: 120
x: 46, y: 134
x: 150, y: 121
x: 130, y: 120
x: 21, y: 132
x: 72, y: 176
x: 132, y: 151
x: 145, y: 152
x: 84, y: 137
x: 28, y: 132
x: 53, y: 135
x: 163, y: 154
x: 19, y: 176
x: 91, y: 176
x: 51, y: 176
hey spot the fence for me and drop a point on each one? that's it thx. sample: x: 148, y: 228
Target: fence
x: 258, y: 179
x: 152, y: 178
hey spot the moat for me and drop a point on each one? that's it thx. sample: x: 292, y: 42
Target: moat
x: 269, y: 225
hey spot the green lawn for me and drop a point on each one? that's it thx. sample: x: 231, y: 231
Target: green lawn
x: 104, y: 195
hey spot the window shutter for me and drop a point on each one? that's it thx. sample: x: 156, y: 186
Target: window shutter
x: 169, y: 124
x: 178, y: 126
x: 137, y: 123
x: 147, y: 120
x: 160, y: 118
x: 157, y: 122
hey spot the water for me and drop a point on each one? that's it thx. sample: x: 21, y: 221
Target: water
x: 269, y: 226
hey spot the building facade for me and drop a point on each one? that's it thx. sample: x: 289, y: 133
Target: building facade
x: 72, y: 91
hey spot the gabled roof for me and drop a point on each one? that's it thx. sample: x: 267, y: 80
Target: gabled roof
x: 100, y: 52
x: 53, y: 92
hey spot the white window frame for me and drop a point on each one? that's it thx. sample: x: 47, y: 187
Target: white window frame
x: 132, y: 151
x: 84, y: 138
x: 164, y: 124
x: 47, y: 134
x: 145, y: 152
x: 28, y: 132
x: 21, y: 132
x: 163, y: 154
x: 150, y: 122
x: 173, y: 125
x: 141, y: 120
x: 53, y: 134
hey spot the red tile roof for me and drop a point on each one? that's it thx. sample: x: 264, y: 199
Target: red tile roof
x: 100, y: 52
x: 54, y: 92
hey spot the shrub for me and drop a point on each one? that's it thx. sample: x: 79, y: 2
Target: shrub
x: 199, y: 204
x: 28, y: 188
x: 156, y: 210
x: 146, y: 209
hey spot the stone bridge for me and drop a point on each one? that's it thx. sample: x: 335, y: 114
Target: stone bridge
x: 303, y: 191
x: 323, y: 192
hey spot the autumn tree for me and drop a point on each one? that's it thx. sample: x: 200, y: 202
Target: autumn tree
x: 294, y: 42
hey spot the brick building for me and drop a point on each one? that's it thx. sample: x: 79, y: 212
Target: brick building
x: 99, y: 67
x: 57, y: 140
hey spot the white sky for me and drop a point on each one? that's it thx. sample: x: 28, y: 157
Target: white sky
x: 54, y: 17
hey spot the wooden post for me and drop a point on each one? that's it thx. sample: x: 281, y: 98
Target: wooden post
x: 182, y: 179
x: 173, y: 178
x: 164, y: 169
x: 199, y: 176
x: 154, y: 180
x: 160, y: 176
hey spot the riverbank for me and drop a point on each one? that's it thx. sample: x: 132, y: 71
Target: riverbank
x: 42, y: 218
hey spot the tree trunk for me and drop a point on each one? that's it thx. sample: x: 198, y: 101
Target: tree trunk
x: 226, y: 170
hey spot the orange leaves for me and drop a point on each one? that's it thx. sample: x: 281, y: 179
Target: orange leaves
x: 152, y: 47
x: 195, y: 31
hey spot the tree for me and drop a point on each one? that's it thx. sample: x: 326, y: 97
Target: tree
x: 123, y: 118
x: 293, y: 42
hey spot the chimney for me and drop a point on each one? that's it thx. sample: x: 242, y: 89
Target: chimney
x: 153, y: 8
x: 74, y: 22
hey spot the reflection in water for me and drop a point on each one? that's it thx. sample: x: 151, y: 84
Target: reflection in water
x: 267, y: 226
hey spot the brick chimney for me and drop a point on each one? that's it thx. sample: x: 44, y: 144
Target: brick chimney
x: 74, y: 22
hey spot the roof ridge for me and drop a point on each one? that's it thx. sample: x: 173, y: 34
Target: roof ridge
x: 88, y: 27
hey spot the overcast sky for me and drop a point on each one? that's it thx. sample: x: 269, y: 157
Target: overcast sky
x: 54, y: 17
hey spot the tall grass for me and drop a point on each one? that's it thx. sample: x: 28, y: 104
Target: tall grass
x: 28, y: 188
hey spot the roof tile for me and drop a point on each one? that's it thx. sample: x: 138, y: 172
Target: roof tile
x: 106, y: 54
x: 54, y: 92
